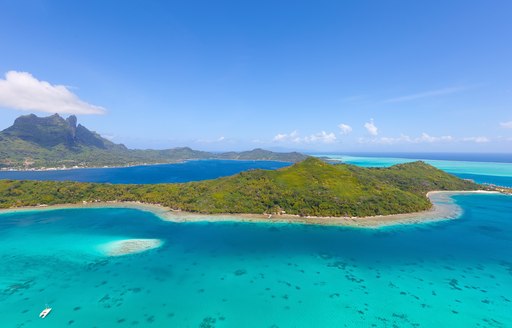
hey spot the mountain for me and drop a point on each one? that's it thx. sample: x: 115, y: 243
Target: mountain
x: 311, y: 187
x: 35, y: 142
x: 54, y: 131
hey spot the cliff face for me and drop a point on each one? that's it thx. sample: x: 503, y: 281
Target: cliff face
x: 52, y: 131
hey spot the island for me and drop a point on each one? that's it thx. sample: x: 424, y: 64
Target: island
x: 52, y: 142
x: 307, y: 191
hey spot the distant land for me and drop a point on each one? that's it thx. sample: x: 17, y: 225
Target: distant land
x: 49, y: 142
x: 309, y: 188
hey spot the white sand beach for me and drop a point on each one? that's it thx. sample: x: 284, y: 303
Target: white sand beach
x: 444, y: 208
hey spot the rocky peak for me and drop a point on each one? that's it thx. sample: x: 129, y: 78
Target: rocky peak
x: 54, y: 130
x: 72, y: 124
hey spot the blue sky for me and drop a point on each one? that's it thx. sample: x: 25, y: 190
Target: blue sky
x: 230, y: 75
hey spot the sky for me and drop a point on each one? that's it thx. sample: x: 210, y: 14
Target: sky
x: 316, y: 76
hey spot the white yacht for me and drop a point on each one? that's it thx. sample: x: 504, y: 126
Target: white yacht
x: 45, y: 312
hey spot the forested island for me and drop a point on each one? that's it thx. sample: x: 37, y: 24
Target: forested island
x: 308, y: 188
x: 34, y: 142
x: 311, y: 187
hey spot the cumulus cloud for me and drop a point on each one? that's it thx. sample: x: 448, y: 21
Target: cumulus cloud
x: 506, y: 125
x: 320, y: 137
x: 345, y: 128
x: 288, y: 137
x: 371, y: 128
x: 20, y: 90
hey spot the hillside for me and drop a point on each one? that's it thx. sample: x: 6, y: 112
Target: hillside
x: 311, y: 187
x: 35, y: 142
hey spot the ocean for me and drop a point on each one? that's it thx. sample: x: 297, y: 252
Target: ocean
x: 455, y: 273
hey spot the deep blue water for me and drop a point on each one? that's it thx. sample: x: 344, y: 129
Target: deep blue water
x: 148, y: 174
x: 482, y: 168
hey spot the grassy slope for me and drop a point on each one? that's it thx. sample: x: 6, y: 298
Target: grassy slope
x: 311, y: 187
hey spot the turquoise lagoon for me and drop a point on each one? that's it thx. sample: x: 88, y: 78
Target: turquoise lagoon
x: 453, y: 273
x: 499, y: 173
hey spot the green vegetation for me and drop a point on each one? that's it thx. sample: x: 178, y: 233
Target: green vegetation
x: 311, y: 187
x: 36, y: 142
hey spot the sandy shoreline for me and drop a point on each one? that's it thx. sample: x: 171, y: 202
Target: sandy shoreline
x: 47, y: 169
x: 444, y: 208
x: 179, y: 161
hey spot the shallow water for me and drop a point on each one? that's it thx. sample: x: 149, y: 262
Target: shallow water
x: 454, y: 273
x: 481, y: 172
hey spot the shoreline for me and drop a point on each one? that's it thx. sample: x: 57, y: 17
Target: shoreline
x: 180, y: 161
x: 444, y: 208
x: 46, y: 169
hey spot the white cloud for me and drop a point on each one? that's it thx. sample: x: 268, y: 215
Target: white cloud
x: 371, y: 128
x: 280, y: 137
x: 506, y: 125
x: 110, y: 137
x: 20, y: 90
x: 323, y: 137
x: 426, y: 94
x: 477, y: 139
x: 345, y: 129
x: 320, y: 137
x: 428, y: 138
x: 394, y: 140
x: 291, y: 137
x: 209, y: 141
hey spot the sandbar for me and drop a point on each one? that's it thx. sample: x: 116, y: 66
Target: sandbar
x: 130, y: 246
